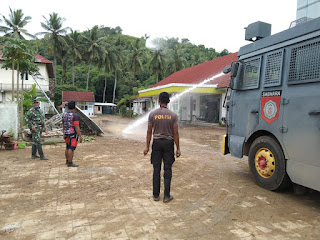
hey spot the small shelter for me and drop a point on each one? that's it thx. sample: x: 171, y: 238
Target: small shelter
x: 84, y: 100
x: 104, y: 108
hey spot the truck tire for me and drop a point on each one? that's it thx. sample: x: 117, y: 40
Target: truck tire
x: 267, y: 164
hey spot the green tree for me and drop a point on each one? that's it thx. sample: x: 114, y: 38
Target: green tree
x: 157, y: 63
x: 18, y: 55
x: 135, y: 65
x: 74, y: 41
x: 110, y: 61
x: 224, y: 52
x: 15, y: 24
x: 54, y: 31
x: 177, y: 60
x: 95, y: 52
x: 29, y: 96
x: 63, y: 56
x: 14, y: 52
x: 118, y: 51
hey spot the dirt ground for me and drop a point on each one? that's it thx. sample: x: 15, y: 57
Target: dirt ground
x: 110, y: 195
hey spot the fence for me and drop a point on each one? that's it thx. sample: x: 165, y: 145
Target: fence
x: 26, y: 87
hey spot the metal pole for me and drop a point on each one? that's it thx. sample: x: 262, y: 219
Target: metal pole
x: 34, y: 78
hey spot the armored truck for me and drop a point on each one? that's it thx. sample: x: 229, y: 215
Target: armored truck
x: 273, y: 107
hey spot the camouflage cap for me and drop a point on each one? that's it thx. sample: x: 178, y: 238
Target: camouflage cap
x: 35, y: 100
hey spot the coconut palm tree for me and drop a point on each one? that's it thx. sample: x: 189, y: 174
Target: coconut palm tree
x: 157, y: 63
x: 74, y: 41
x: 95, y: 52
x: 111, y: 61
x: 63, y: 56
x: 135, y: 65
x: 15, y: 24
x: 54, y: 31
x: 177, y: 61
x: 119, y: 52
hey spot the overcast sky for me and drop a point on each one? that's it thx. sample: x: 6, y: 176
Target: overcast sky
x: 214, y: 23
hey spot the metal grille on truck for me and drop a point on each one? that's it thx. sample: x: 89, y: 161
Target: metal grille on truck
x: 272, y: 75
x: 305, y: 63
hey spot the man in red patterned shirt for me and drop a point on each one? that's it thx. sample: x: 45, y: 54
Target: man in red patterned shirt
x: 71, y: 130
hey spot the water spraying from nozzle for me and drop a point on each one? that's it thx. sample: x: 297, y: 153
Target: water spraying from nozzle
x: 132, y: 126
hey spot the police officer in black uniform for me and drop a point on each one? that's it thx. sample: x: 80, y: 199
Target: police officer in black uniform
x: 164, y: 124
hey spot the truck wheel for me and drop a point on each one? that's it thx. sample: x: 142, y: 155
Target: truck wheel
x: 267, y: 164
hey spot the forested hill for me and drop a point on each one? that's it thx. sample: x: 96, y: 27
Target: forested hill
x: 103, y: 55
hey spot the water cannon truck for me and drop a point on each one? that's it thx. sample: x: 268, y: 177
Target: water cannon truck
x: 273, y: 105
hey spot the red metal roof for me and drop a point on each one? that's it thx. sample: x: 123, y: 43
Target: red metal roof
x: 201, y: 72
x: 68, y: 96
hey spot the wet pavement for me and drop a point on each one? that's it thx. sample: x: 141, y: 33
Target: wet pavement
x: 110, y: 195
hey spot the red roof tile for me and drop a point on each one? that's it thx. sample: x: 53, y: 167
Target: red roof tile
x: 201, y: 72
x: 49, y: 64
x: 41, y: 59
x: 68, y: 96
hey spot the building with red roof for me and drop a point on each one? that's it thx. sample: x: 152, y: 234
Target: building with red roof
x: 84, y: 100
x: 45, y: 70
x: 8, y: 97
x: 200, y: 91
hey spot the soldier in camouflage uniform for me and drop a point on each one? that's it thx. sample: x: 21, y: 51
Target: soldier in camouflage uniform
x: 35, y: 122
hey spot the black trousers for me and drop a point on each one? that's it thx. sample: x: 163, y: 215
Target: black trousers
x: 162, y: 150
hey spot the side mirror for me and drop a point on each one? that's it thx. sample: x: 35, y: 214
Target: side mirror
x: 227, y: 69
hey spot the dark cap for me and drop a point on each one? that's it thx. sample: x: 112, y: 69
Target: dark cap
x: 35, y: 100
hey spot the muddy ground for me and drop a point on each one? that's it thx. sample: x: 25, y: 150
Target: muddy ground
x: 110, y: 195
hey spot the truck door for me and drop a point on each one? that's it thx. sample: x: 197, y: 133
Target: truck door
x: 301, y: 119
x: 243, y: 105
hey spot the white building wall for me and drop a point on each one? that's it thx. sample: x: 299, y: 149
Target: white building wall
x: 87, y: 108
x: 185, y: 108
x: 9, y: 117
x: 6, y: 81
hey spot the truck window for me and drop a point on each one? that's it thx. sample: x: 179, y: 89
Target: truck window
x: 273, y: 73
x: 250, y: 74
x: 304, y: 63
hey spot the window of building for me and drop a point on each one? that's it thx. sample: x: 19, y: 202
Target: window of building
x: 194, y: 104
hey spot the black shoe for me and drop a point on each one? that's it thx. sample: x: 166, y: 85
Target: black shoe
x: 156, y: 198
x: 165, y: 199
x: 42, y: 156
x: 71, y: 164
x: 66, y: 161
x: 34, y: 152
